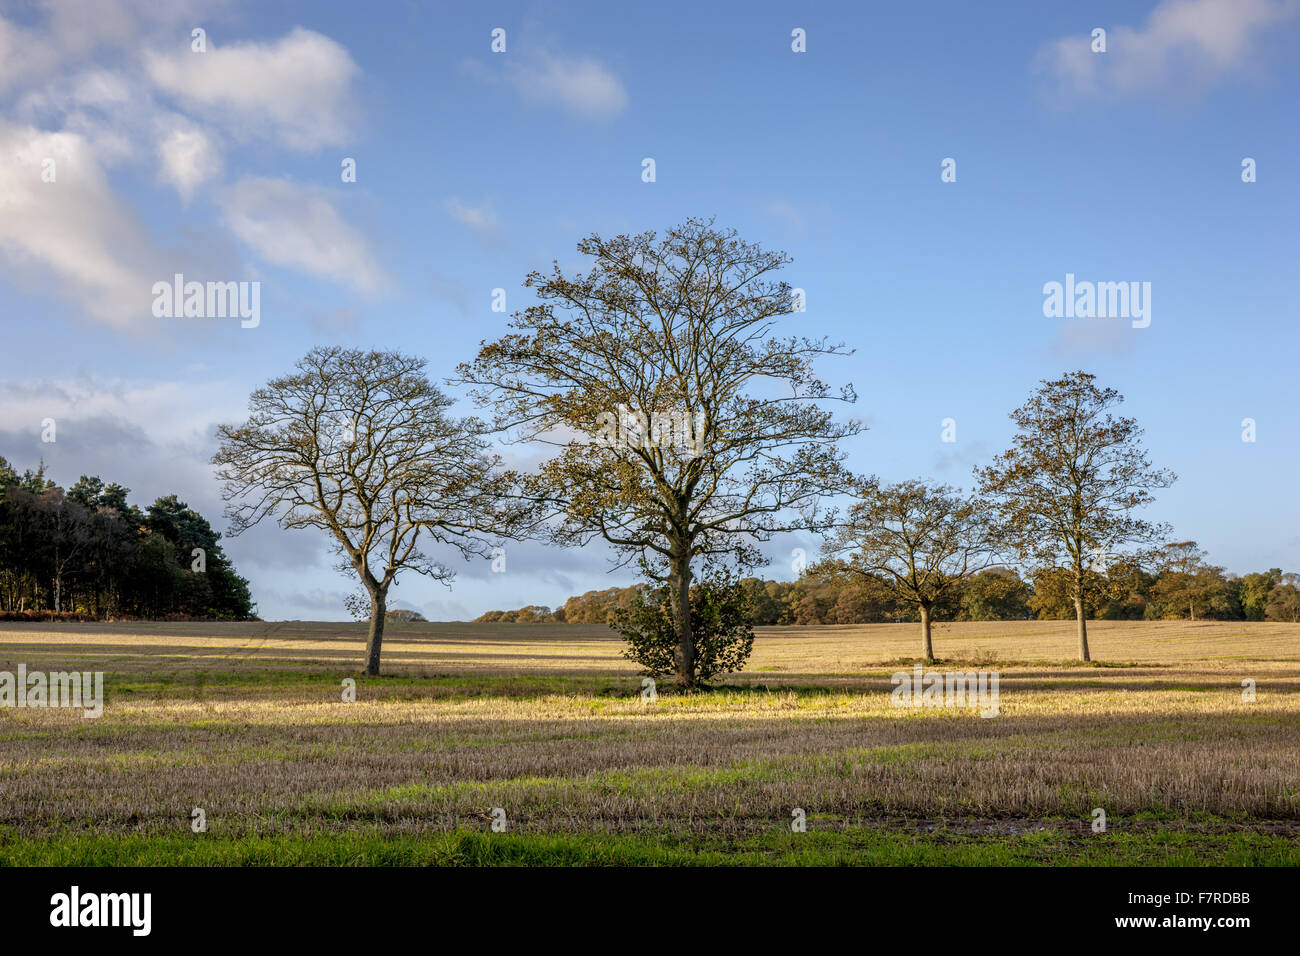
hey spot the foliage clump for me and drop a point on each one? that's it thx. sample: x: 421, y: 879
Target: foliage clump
x: 720, y: 628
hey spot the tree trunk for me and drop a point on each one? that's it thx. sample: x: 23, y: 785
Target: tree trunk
x: 375, y: 637
x: 927, y: 649
x: 58, y: 593
x: 680, y: 587
x: 1082, y: 618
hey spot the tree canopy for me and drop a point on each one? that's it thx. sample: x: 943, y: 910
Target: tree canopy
x: 87, y: 551
x: 1065, y: 492
x: 685, y: 427
x: 359, y: 444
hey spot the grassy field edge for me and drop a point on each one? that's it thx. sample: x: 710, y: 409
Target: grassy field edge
x: 854, y: 846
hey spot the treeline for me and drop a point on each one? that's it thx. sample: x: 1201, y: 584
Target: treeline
x: 86, y: 552
x: 1180, y: 585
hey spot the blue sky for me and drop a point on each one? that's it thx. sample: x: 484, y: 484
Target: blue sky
x: 474, y: 168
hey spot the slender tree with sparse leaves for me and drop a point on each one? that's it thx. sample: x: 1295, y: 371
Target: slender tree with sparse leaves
x: 923, y: 540
x: 359, y: 444
x: 1066, y: 490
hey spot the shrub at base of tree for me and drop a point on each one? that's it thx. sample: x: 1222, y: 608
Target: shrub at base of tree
x: 719, y: 626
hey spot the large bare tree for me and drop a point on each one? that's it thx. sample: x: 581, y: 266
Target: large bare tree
x: 686, y: 428
x: 922, y: 540
x: 1066, y: 489
x: 359, y: 444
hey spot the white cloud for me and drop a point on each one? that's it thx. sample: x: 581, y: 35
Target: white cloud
x: 1184, y: 44
x: 169, y: 412
x: 296, y: 90
x: 89, y: 101
x: 73, y: 236
x: 480, y: 219
x: 23, y: 53
x: 73, y: 29
x: 296, y: 227
x: 113, y: 110
x: 79, y: 26
x: 101, y: 88
x: 188, y: 156
x: 578, y: 84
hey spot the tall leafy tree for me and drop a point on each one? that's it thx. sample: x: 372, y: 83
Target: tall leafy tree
x: 66, y: 539
x: 1187, y: 586
x: 1066, y: 490
x: 1284, y: 600
x: 685, y: 427
x: 212, y: 587
x: 1255, y: 589
x: 996, y: 594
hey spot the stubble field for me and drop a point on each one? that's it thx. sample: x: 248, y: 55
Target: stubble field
x: 542, y: 729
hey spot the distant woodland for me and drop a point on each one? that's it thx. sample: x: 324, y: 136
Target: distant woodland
x: 1182, y: 585
x: 86, y: 552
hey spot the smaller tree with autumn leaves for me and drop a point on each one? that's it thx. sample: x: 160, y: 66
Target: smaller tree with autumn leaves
x: 922, y: 540
x: 1065, y: 492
